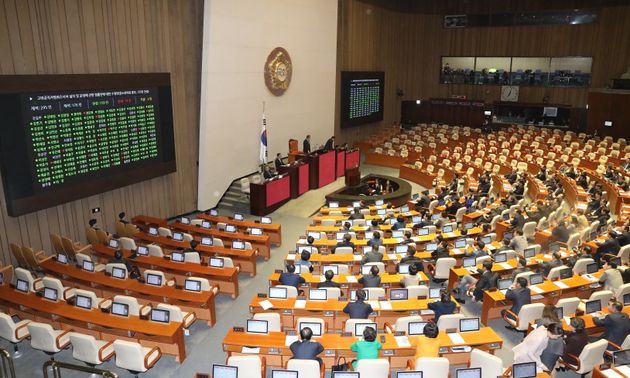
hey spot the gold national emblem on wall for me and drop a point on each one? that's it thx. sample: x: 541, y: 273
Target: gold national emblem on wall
x: 278, y: 70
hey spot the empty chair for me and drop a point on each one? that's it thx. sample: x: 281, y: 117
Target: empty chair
x: 377, y: 368
x: 127, y: 243
x: 602, y: 295
x: 529, y: 230
x: 306, y: 368
x: 155, y: 250
x: 415, y: 291
x: 450, y: 321
x: 131, y: 229
x: 402, y: 324
x: 34, y: 284
x: 291, y: 290
x: 192, y: 257
x: 273, y: 320
x: 332, y: 292
x: 13, y: 332
x: 81, y: 257
x: 344, y: 251
x: 569, y: 305
x: 19, y: 257
x: 554, y: 273
x: 528, y: 313
x: 134, y: 306
x: 55, y: 284
x: 120, y: 228
x: 89, y: 350
x: 249, y: 366
x: 188, y: 237
x: 90, y: 235
x: 177, y: 315
x: 491, y: 365
x: 244, y: 185
x: 374, y: 293
x: 573, y: 241
x: 103, y: 237
x: 33, y: 258
x: 624, y: 254
x: 47, y: 339
x: 580, y: 266
x: 441, y: 270
x: 163, y: 231
x: 431, y: 366
x: 55, y: 240
x: 135, y: 358
x: 592, y: 355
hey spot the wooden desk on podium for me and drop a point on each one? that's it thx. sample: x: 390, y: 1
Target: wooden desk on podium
x: 269, y: 195
x: 298, y: 172
x: 321, y: 168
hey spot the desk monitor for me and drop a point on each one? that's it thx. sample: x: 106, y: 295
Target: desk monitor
x: 559, y: 312
x: 404, y: 209
x: 88, y: 265
x: 333, y: 205
x: 206, y: 224
x: 184, y: 220
x: 154, y: 279
x: 468, y: 225
x: 62, y: 258
x: 505, y: 283
x: 626, y: 299
x: 508, y: 235
x: 192, y: 285
x: 142, y: 250
x: 392, y: 221
x: 536, y: 279
x: 379, y: 202
x: 224, y: 371
x: 409, y: 374
x: 524, y: 370
x: 153, y: 231
x: 555, y: 247
x: 398, y: 294
x: 284, y: 373
x: 468, y: 373
x: 469, y: 325
x: 365, y: 269
x: 436, y: 216
x: 214, y: 212
x: 333, y: 268
x: 113, y: 243
x: 308, y: 249
x: 177, y: 256
x: 529, y: 252
x: 360, y: 327
x: 238, y: 217
x: 397, y: 234
x: 469, y: 262
x: 506, y: 216
x: 206, y: 241
x: 415, y: 328
x: 315, y: 327
x: 608, y: 123
x: 178, y: 236
x: 500, y: 257
x: 594, y: 234
x: 257, y: 326
x: 356, y: 204
x: 120, y: 309
x: 431, y: 247
x: 339, y: 235
x: 423, y: 231
x: 402, y: 248
x: 345, y: 374
x: 21, y: 285
x: 381, y: 211
x: 486, y: 240
x: 230, y: 228
x: 216, y: 262
x: 317, y: 294
x: 593, y: 306
x: 621, y: 357
x: 416, y: 219
x: 50, y: 294
x: 161, y: 316
x: 256, y: 231
x: 278, y: 292
x: 566, y: 273
x: 403, y: 268
x: 83, y: 302
x: 592, y: 268
x: 238, y: 244
x: 369, y: 235
x: 434, y: 293
x: 460, y: 243
x: 119, y: 273
x: 447, y: 228
x: 315, y: 234
x: 353, y: 295
x: 441, y: 201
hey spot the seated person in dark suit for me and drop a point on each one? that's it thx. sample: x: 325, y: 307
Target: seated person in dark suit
x: 519, y: 220
x: 267, y: 173
x: 278, y: 162
x: 478, y: 251
x: 575, y: 340
x: 345, y: 243
x: 609, y: 246
x: 560, y: 233
x: 519, y: 294
x: 373, y: 256
x: 488, y: 280
x: 424, y: 200
x: 505, y: 246
x: 444, y: 306
x: 118, y: 259
x: 376, y: 240
x: 616, y: 324
x: 305, y: 256
x: 521, y: 267
x: 290, y: 278
x: 400, y: 223
x: 356, y: 214
x: 407, y: 238
x: 412, y: 259
x: 358, y: 309
x: 372, y: 279
x: 554, y: 263
x: 374, y: 225
x: 330, y: 143
x: 329, y: 275
x: 305, y: 349
x: 441, y: 251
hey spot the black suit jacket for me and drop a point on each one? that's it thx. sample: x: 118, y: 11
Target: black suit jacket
x: 306, y: 146
x: 442, y: 308
x: 328, y: 284
x: 278, y: 163
x: 519, y: 297
x: 306, y: 349
x: 616, y: 327
x: 358, y: 310
x: 329, y: 144
x: 518, y: 222
x: 343, y: 244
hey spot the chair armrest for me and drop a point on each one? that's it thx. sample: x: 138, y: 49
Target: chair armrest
x: 256, y: 252
x: 61, y: 336
x: 579, y: 363
x: 189, y: 315
x: 431, y: 268
x: 263, y: 366
x: 68, y: 292
x: 238, y: 268
x: 411, y: 364
x: 38, y: 284
x: 511, y: 313
x: 170, y: 283
x: 101, y: 352
x: 388, y: 327
x: 322, y: 370
x: 615, y: 345
x: 40, y: 255
x: 508, y: 372
x: 144, y: 310
x: 20, y: 328
x: 87, y: 247
x: 146, y: 357
x: 215, y: 290
x: 105, y: 303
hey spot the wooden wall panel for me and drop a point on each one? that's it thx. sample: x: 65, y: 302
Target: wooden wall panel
x: 108, y: 36
x: 408, y: 47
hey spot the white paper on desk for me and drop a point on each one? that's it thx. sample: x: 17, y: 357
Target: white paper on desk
x: 385, y: 305
x: 536, y: 289
x: 610, y: 373
x: 249, y: 350
x: 506, y: 266
x: 456, y: 338
x: 564, y: 255
x: 301, y: 241
x: 266, y: 304
x: 561, y: 285
x: 351, y: 279
x: 567, y: 319
x: 457, y: 251
x: 299, y: 303
x: 547, y: 256
x: 290, y: 340
x: 291, y: 256
x: 625, y: 370
x: 322, y: 278
x: 400, y: 240
x: 402, y: 341
x: 357, y: 257
x: 374, y: 304
x: 392, y: 256
x: 491, y: 247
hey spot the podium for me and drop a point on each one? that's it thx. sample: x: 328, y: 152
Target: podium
x: 298, y: 173
x: 353, y: 177
x: 269, y: 195
x: 321, y: 168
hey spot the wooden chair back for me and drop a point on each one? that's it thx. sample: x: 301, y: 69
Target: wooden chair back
x: 19, y: 257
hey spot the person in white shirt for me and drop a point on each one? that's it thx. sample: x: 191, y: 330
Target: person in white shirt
x: 533, y: 345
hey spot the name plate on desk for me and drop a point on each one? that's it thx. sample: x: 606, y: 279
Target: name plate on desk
x: 388, y: 352
x: 443, y: 350
x: 273, y: 350
x: 386, y: 285
x: 329, y: 352
x: 495, y: 346
x: 287, y: 312
x: 329, y: 313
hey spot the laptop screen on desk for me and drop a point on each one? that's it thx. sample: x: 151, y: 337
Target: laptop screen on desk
x: 536, y: 279
x: 447, y: 228
x: 434, y: 293
x: 206, y: 241
x: 592, y: 268
x: 404, y: 209
x: 230, y: 228
x: 284, y: 374
x: 409, y: 374
x: 340, y: 235
x: 257, y: 326
x: 113, y: 243
x: 206, y: 224
x: 216, y: 262
x: 360, y: 327
x: 237, y: 244
x: 315, y: 327
x: 436, y: 216
x: 214, y: 212
x: 278, y: 292
x: 153, y: 231
x: 142, y: 250
x: 161, y: 316
x: 486, y: 240
x: 317, y: 294
x: 177, y: 256
x: 398, y: 294
x: 469, y: 261
x: 468, y: 225
x: 468, y: 373
x: 256, y: 231
x: 423, y: 231
x: 356, y: 204
x: 192, y: 285
x: 21, y: 285
x: 178, y: 236
x: 505, y: 283
x: 524, y: 370
x: 88, y: 266
x: 402, y: 248
x: 529, y: 252
x: 469, y: 325
x: 61, y: 258
x: 415, y: 328
x: 403, y: 268
x: 626, y: 299
x: 83, y: 302
x: 381, y: 211
x: 416, y: 219
x: 345, y: 374
x: 120, y: 309
x: 265, y: 220
x: 508, y: 235
x: 397, y: 234
x: 238, y: 217
x: 119, y: 273
x: 154, y: 279
x: 460, y: 243
x: 431, y: 247
x: 224, y: 371
x: 566, y: 273
x: 315, y: 235
x: 593, y: 306
x: 621, y: 357
x: 50, y: 294
x: 184, y: 220
x: 500, y: 257
x: 332, y: 268
x: 379, y: 202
